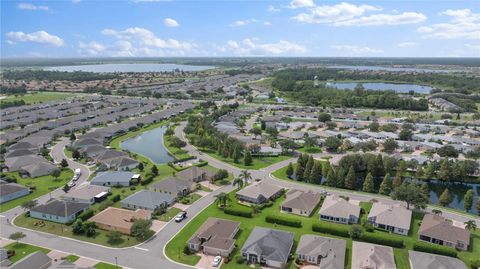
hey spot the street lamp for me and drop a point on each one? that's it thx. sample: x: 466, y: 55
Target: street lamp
x: 116, y: 264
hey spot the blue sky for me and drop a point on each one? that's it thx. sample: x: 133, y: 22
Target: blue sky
x: 77, y: 28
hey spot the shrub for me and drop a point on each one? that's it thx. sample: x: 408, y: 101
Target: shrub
x: 435, y: 249
x: 116, y: 198
x: 240, y: 260
x: 132, y: 188
x: 238, y: 212
x: 147, y: 180
x: 333, y: 229
x: 283, y: 221
x: 187, y: 250
x: 86, y: 215
x: 356, y: 231
x: 382, y: 240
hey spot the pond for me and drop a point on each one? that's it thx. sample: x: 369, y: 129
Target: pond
x: 150, y: 145
x: 138, y: 68
x: 401, y: 88
x: 457, y: 191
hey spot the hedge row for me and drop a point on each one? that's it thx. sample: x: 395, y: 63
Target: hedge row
x: 333, y: 229
x: 283, y: 221
x: 85, y: 215
x: 238, y: 212
x: 382, y: 240
x: 435, y: 249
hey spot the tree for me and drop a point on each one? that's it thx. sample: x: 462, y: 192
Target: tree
x: 351, y: 179
x: 356, y: 231
x: 114, y: 237
x: 468, y: 200
x: 445, y: 171
x: 72, y: 137
x: 256, y: 131
x: 411, y: 194
x: 263, y: 125
x: 397, y: 181
x: 368, y: 184
x: 238, y: 182
x: 430, y: 172
x: 331, y: 179
x: 447, y: 151
x: 154, y: 170
x: 402, y: 168
x: 299, y: 171
x: 289, y: 170
x: 236, y: 155
x: 56, y: 173
x: 28, y: 205
x: 405, y: 135
x: 169, y: 132
x: 288, y: 146
x: 64, y: 163
x: 141, y: 166
x: 471, y: 225
x: 333, y: 143
x: 310, y: 142
x: 445, y: 198
x: 17, y: 236
x: 141, y: 229
x: 316, y: 173
x: 425, y: 189
x: 221, y: 199
x: 90, y: 229
x: 374, y: 126
x: 324, y: 117
x: 177, y: 142
x: 419, y: 173
x: 247, y: 160
x: 308, y: 168
x: 245, y: 176
x: 76, y: 154
x: 386, y: 185
x: 390, y: 145
x: 77, y: 227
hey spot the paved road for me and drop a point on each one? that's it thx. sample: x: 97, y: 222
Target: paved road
x: 150, y: 254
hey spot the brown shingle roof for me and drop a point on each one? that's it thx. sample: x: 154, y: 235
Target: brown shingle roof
x: 440, y: 228
x: 120, y: 218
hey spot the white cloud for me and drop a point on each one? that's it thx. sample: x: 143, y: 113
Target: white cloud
x: 169, y: 22
x: 267, y: 23
x: 28, y: 6
x: 243, y: 22
x: 346, y: 14
x: 301, y: 3
x: 384, y: 19
x: 36, y: 37
x: 251, y: 46
x: 271, y: 8
x: 356, y: 50
x: 407, y: 44
x: 136, y: 41
x: 463, y: 24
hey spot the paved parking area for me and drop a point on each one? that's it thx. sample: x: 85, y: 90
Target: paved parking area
x: 205, y: 262
x: 157, y: 225
x: 202, y: 193
x: 209, y: 185
x: 85, y: 262
x: 181, y: 206
x: 57, y: 255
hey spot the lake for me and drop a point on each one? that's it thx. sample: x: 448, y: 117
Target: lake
x: 457, y: 191
x: 393, y: 69
x: 138, y: 68
x: 150, y: 145
x: 378, y: 86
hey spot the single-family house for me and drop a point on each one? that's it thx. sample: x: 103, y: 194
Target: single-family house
x: 215, y: 237
x: 391, y: 217
x: 87, y: 142
x: 366, y: 255
x: 118, y: 219
x: 300, y: 202
x: 37, y: 260
x: 113, y: 178
x: 38, y: 169
x: 422, y: 260
x: 438, y: 230
x: 174, y: 186
x: 58, y: 211
x: 337, y: 209
x: 122, y: 163
x: 11, y: 191
x: 325, y: 252
x: 195, y: 174
x: 268, y: 246
x: 87, y: 194
x: 148, y: 200
x: 259, y: 192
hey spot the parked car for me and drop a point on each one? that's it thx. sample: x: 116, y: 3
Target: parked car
x: 180, y: 216
x: 71, y: 184
x: 216, y: 261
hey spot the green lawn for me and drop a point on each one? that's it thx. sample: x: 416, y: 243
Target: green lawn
x: 43, y: 186
x: 171, y: 213
x: 258, y: 162
x: 72, y: 258
x: 102, y: 265
x: 176, y: 152
x: 22, y: 250
x: 40, y: 97
x: 206, y: 189
x: 190, y: 199
x: 310, y: 150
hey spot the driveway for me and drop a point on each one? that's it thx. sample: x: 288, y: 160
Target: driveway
x: 205, y: 262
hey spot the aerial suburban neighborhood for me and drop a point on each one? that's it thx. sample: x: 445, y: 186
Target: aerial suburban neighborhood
x: 290, y: 134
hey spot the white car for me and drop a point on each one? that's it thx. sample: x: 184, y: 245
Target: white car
x: 71, y: 184
x: 216, y: 261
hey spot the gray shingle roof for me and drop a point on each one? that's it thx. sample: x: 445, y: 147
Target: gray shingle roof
x: 301, y: 200
x: 274, y: 245
x: 148, y: 199
x: 421, y: 260
x: 331, y: 250
x: 60, y: 208
x: 120, y: 177
x: 9, y: 188
x: 37, y: 259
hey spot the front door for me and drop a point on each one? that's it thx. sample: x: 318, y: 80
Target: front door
x: 252, y: 258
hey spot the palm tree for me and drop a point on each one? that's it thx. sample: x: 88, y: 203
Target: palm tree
x: 221, y: 199
x: 238, y: 182
x: 471, y: 225
x: 245, y: 176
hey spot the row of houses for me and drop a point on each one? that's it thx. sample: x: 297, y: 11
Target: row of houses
x: 40, y: 260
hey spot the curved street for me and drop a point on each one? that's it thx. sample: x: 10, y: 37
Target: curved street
x: 150, y: 254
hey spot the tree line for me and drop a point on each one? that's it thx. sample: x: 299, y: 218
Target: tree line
x: 77, y: 76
